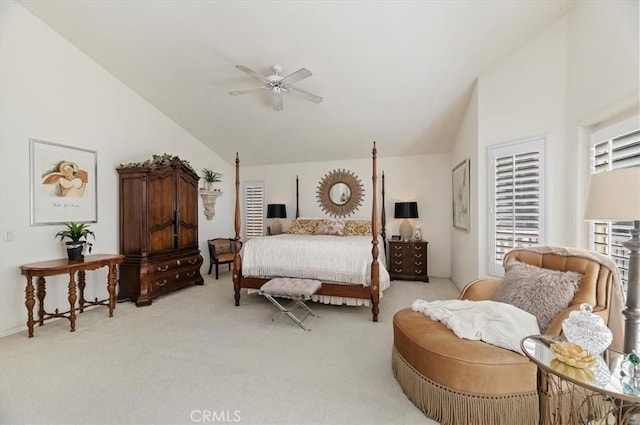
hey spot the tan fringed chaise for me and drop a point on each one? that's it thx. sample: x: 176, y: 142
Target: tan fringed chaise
x: 461, y: 382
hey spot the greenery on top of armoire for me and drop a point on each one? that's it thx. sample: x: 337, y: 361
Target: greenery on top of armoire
x: 157, y: 161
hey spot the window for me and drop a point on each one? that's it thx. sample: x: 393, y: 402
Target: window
x: 253, y: 209
x: 613, y: 148
x: 516, y: 209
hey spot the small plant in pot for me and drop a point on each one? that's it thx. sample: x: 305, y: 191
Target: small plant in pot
x: 78, y: 233
x: 210, y: 177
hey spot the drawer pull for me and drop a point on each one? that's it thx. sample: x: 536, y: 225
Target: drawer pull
x: 398, y: 263
x: 178, y: 262
x: 193, y: 261
x: 418, y: 255
x: 397, y: 270
x: 164, y: 282
x: 417, y: 248
x: 162, y: 269
x: 397, y: 254
x: 397, y: 247
x: 418, y: 263
x: 191, y: 273
x: 418, y: 271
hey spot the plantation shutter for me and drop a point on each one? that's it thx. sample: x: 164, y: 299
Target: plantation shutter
x: 253, y: 209
x: 614, y: 153
x: 516, y: 199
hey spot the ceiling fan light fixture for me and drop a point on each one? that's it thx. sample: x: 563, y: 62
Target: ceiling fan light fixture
x: 278, y: 84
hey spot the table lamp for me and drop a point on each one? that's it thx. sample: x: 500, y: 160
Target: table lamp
x: 615, y: 196
x: 406, y: 210
x: 276, y: 211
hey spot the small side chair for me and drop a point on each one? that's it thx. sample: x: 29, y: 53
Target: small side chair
x: 221, y: 251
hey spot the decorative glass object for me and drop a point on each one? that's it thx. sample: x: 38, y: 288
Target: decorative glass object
x: 587, y: 330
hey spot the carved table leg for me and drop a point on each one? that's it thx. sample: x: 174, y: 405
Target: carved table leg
x: 42, y: 292
x: 81, y: 285
x: 72, y: 301
x: 29, y: 303
x: 111, y: 288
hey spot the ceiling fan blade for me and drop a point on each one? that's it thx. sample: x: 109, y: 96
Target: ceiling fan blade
x: 253, y: 73
x: 309, y: 96
x: 245, y: 91
x: 300, y: 74
x: 277, y: 99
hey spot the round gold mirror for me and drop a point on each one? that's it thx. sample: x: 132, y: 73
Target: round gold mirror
x: 340, y: 193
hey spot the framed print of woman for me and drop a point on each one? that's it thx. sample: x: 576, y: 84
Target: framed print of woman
x: 71, y: 180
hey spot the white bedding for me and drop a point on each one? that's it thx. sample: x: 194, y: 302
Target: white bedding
x: 344, y: 259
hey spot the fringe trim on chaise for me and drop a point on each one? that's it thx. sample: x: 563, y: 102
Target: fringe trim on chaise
x: 451, y: 407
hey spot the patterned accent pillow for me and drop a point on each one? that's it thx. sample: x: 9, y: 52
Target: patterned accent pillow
x: 357, y: 227
x: 303, y: 227
x: 331, y: 226
x: 542, y: 292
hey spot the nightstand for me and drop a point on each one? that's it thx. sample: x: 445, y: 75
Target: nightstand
x: 408, y: 260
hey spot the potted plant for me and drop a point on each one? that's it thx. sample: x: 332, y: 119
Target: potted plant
x: 210, y: 177
x: 78, y: 233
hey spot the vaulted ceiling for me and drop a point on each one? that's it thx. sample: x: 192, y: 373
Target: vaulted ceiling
x: 397, y: 72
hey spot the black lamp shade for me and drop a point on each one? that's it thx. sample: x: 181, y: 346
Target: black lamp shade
x: 406, y: 210
x: 276, y: 211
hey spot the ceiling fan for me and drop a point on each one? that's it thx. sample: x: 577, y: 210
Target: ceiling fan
x: 278, y: 85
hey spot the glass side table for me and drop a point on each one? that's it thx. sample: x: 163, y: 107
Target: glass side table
x: 599, y: 394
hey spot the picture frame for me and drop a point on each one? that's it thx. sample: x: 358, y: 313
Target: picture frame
x: 461, y: 194
x: 396, y: 238
x: 62, y: 183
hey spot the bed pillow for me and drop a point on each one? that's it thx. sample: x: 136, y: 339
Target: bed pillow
x: 330, y: 226
x: 357, y: 227
x: 303, y: 227
x: 542, y: 292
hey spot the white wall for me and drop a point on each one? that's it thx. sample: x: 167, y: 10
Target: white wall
x: 464, y: 245
x: 580, y: 72
x: 423, y: 178
x: 51, y: 91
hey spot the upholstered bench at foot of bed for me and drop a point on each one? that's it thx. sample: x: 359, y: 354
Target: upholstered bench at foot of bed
x: 456, y: 381
x: 297, y: 290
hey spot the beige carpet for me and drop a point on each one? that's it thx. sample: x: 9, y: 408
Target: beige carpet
x: 192, y: 357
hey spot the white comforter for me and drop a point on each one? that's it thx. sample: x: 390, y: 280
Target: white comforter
x: 493, y: 322
x: 344, y: 259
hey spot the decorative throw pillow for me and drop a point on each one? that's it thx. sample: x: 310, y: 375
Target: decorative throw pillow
x: 303, y: 227
x: 331, y: 226
x: 357, y: 227
x: 542, y: 292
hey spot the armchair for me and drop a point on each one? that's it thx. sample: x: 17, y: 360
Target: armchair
x: 221, y: 251
x: 458, y: 381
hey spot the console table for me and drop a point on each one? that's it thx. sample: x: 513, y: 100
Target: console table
x: 568, y: 396
x: 64, y: 266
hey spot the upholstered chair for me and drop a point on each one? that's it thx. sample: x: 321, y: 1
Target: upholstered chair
x: 221, y: 251
x: 462, y: 382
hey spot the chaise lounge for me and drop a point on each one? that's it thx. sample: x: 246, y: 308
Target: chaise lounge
x: 458, y: 381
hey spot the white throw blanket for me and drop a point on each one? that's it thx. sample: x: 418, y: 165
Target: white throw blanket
x: 493, y: 322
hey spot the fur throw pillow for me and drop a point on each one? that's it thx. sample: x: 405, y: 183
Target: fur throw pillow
x: 542, y: 292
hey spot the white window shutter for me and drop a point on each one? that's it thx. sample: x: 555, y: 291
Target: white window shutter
x: 517, y: 198
x: 611, y: 153
x: 253, y: 209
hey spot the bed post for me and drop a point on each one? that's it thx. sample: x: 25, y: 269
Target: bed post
x: 375, y: 267
x: 297, y: 199
x: 383, y: 222
x: 237, y: 260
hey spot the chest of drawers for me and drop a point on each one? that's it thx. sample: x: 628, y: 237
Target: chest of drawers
x: 408, y: 260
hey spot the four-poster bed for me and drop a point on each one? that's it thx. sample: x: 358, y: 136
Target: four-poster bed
x: 367, y: 286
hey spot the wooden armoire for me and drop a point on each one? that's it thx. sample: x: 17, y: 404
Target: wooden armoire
x: 158, y: 229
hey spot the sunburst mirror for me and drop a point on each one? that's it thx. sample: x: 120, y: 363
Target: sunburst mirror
x: 340, y: 193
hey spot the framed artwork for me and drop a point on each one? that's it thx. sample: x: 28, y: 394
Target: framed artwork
x: 461, y: 196
x: 62, y: 183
